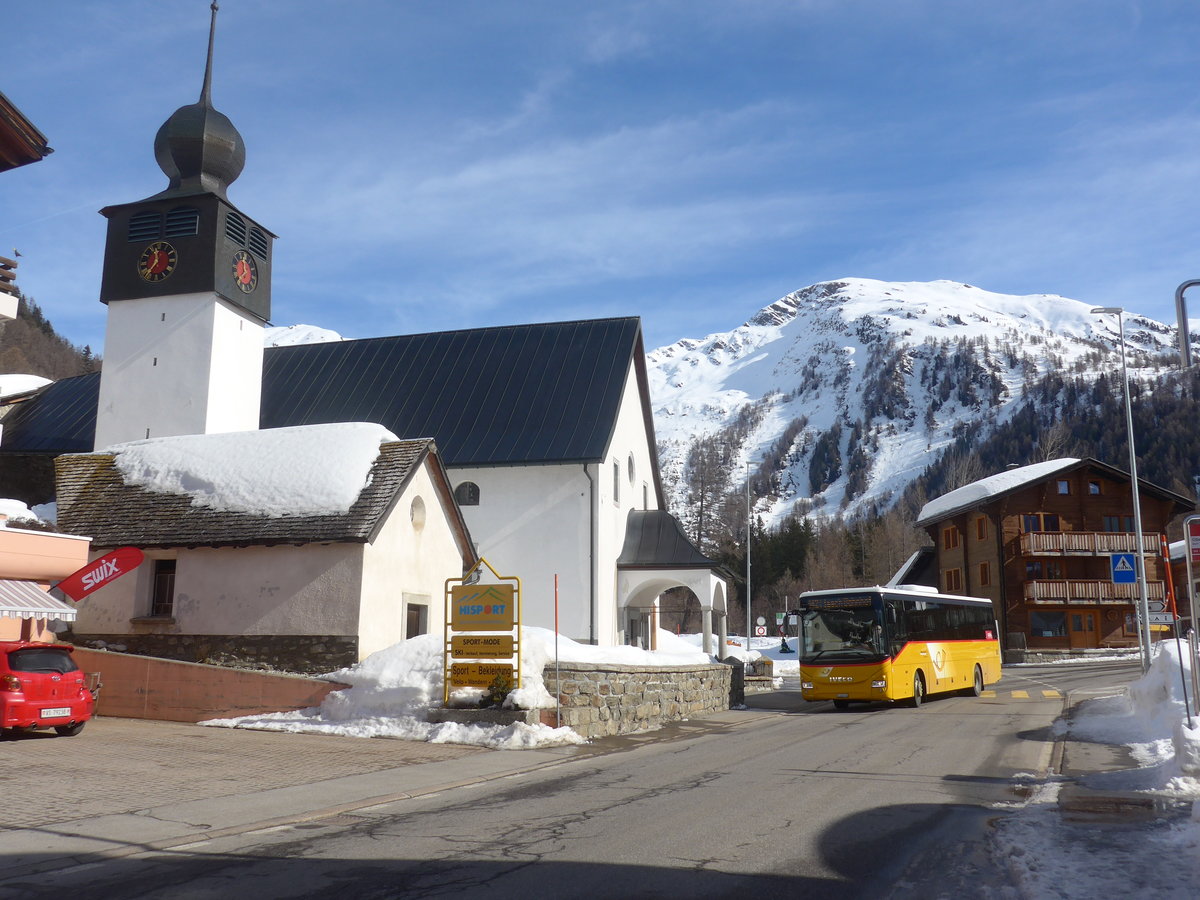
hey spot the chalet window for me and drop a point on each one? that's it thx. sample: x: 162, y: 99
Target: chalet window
x: 1094, y: 488
x: 981, y: 528
x: 953, y: 579
x: 985, y: 574
x: 1037, y: 569
x: 1047, y: 624
x: 1040, y: 522
x: 162, y: 599
x: 1118, y: 523
x: 950, y: 537
x: 467, y: 494
x: 1064, y: 486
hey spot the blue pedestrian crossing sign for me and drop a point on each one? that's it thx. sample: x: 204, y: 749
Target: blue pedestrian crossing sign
x: 1124, y: 568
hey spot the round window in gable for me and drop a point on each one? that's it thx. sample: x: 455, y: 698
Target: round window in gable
x: 632, y: 469
x: 416, y: 514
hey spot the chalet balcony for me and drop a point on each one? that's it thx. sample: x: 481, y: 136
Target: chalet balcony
x: 1088, y: 593
x: 1087, y: 543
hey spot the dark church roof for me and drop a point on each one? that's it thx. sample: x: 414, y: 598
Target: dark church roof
x: 90, y: 487
x: 513, y: 395
x: 655, y: 540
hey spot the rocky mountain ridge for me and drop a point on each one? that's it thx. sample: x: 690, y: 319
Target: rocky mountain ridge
x: 833, y: 399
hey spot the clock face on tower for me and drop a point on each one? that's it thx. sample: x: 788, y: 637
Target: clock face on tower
x: 245, y: 272
x: 157, y: 261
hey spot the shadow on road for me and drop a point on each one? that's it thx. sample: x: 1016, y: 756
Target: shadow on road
x: 871, y: 854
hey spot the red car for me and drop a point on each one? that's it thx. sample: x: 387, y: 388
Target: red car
x: 42, y: 687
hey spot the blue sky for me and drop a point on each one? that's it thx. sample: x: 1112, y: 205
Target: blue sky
x: 439, y: 165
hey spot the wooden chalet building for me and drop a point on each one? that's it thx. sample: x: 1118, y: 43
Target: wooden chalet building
x: 1037, y: 540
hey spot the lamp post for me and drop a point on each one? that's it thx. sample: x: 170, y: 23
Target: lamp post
x: 748, y: 533
x: 1143, y: 599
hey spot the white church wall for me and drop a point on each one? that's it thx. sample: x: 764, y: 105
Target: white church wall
x: 532, y: 523
x: 183, y: 364
x: 626, y: 483
x: 409, y: 562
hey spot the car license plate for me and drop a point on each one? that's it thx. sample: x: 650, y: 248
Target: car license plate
x: 56, y: 712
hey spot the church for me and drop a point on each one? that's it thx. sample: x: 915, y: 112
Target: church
x: 536, y: 442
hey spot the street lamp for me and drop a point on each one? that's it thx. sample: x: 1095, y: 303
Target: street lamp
x: 749, y: 623
x: 1143, y: 599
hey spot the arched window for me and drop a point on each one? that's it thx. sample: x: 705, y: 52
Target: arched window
x: 235, y: 228
x: 467, y: 494
x: 258, y: 243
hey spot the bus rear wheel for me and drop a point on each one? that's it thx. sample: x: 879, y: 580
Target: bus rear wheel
x: 918, y: 690
x: 976, y: 687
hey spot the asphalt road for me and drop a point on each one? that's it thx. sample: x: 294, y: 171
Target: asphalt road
x: 791, y: 799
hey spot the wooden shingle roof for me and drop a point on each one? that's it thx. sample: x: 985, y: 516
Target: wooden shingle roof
x: 91, y: 489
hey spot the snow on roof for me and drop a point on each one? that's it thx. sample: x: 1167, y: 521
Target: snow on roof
x: 16, y: 510
x: 303, y: 470
x: 986, y: 488
x: 290, y: 335
x: 10, y: 385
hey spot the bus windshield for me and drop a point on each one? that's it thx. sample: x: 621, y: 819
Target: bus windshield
x: 842, y: 629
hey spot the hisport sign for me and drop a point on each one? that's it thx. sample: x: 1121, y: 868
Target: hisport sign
x: 481, y: 607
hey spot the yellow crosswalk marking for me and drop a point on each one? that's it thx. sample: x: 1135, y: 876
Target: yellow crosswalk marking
x: 1052, y: 695
x: 988, y: 694
x: 1020, y: 695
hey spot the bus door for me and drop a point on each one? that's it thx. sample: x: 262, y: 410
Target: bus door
x: 897, y: 637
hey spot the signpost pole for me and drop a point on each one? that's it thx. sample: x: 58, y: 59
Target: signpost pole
x: 557, y: 680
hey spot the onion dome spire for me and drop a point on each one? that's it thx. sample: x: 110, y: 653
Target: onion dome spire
x: 198, y: 148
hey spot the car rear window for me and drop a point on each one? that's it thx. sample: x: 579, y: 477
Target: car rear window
x: 41, y: 659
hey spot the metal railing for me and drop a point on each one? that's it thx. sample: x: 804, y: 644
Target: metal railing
x: 1086, y: 543
x: 1088, y: 592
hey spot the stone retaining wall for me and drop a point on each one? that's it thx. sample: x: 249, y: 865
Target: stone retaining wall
x: 599, y: 700
x: 301, y: 654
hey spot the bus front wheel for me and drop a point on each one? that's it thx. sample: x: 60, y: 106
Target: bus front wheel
x: 918, y: 690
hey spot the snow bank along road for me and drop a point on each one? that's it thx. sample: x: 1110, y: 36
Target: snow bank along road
x: 780, y: 797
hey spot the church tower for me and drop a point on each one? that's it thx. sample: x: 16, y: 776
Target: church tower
x: 187, y: 281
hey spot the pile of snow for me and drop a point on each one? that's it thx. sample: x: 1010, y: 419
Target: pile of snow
x: 391, y: 691
x: 16, y: 511
x: 1053, y: 857
x: 291, y: 335
x: 1151, y: 721
x: 11, y: 385
x: 300, y: 471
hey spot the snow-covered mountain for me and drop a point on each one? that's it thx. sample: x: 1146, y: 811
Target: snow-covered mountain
x: 840, y: 394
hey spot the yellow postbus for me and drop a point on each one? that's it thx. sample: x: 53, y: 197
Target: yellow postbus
x: 894, y: 644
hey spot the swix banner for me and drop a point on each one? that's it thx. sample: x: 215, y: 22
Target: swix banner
x: 96, y: 574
